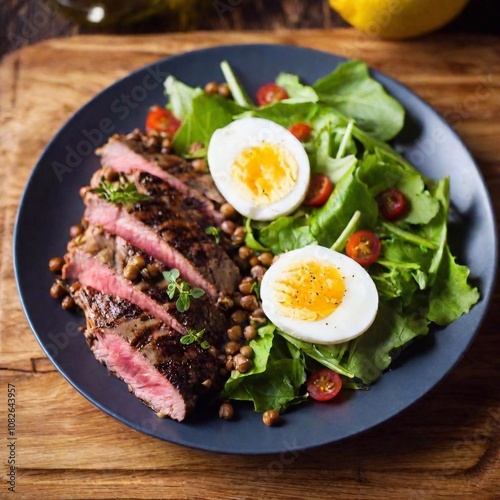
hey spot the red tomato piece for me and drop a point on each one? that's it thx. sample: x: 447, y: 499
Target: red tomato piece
x: 392, y: 204
x: 270, y: 93
x: 302, y: 131
x: 324, y: 384
x: 162, y: 120
x: 363, y: 247
x: 320, y: 189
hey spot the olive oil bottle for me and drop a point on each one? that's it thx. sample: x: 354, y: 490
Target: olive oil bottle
x: 178, y: 14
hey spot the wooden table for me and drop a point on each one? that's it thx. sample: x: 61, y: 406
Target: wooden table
x: 446, y: 445
x: 25, y: 22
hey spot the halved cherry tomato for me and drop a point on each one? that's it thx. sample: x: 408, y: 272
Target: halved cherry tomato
x: 363, y: 247
x: 162, y: 120
x: 302, y: 131
x: 320, y: 189
x: 324, y: 384
x: 392, y: 204
x: 270, y: 93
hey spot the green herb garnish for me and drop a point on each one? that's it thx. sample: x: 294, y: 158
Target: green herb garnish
x: 121, y: 193
x: 182, y: 289
x: 213, y: 231
x: 194, y: 336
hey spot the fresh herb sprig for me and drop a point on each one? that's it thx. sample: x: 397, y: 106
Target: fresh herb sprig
x: 181, y: 289
x: 194, y: 336
x: 121, y: 192
x: 213, y: 231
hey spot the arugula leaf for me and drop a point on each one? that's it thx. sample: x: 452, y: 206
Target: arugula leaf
x: 207, y: 115
x: 180, y: 97
x: 323, y: 160
x: 381, y: 172
x: 287, y: 233
x: 297, y: 91
x: 327, y: 355
x: 350, y: 195
x: 276, y: 377
x: 351, y: 90
x: 261, y: 346
x: 451, y: 295
x: 372, y: 353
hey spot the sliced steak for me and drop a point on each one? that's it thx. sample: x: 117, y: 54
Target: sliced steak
x: 146, y: 354
x: 97, y: 259
x: 170, y: 238
x: 162, y: 196
x: 127, y: 154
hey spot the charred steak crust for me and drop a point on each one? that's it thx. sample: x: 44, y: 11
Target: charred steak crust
x: 162, y: 196
x: 182, y: 169
x: 97, y: 259
x: 123, y: 154
x: 191, y: 370
x: 132, y: 326
x: 169, y: 237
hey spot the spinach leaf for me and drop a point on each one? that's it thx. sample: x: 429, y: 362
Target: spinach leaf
x: 327, y: 355
x: 287, y: 233
x: 372, y: 353
x: 451, y: 295
x: 275, y: 379
x: 350, y: 194
x: 380, y: 172
x: 350, y: 90
x: 208, y: 114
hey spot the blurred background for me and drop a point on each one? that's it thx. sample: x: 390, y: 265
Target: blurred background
x: 24, y: 22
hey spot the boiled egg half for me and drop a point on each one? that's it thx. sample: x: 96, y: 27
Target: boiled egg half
x: 259, y: 167
x: 318, y: 295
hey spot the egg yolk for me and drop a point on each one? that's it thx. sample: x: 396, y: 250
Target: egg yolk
x: 264, y: 174
x: 309, y: 290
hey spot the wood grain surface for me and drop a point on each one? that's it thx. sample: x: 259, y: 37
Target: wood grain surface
x: 446, y: 445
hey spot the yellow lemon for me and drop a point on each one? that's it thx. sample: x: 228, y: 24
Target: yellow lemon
x: 398, y: 18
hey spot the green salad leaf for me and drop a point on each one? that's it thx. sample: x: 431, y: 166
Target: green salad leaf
x: 350, y: 90
x: 297, y: 91
x: 208, y: 113
x: 451, y: 295
x: 350, y: 195
x: 283, y: 113
x: 287, y: 233
x: 416, y: 275
x: 180, y: 97
x: 275, y: 379
x: 371, y: 353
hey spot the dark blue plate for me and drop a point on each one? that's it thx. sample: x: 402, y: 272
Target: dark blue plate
x: 51, y: 204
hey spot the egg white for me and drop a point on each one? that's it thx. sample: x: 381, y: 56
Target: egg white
x: 352, y: 317
x: 227, y: 143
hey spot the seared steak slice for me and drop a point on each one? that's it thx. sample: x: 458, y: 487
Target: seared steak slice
x: 126, y: 154
x: 162, y: 196
x: 146, y: 354
x: 97, y: 259
x: 170, y: 238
